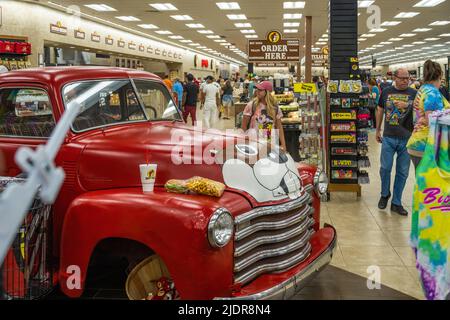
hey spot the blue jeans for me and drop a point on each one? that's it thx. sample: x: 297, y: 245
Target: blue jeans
x: 391, y: 146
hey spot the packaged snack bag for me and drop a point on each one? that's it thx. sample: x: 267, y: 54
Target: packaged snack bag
x: 205, y: 186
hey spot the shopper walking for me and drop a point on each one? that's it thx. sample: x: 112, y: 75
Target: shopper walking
x: 178, y: 91
x: 227, y: 99
x: 210, y: 102
x: 190, y: 98
x: 396, y: 104
x: 263, y: 113
x: 428, y: 100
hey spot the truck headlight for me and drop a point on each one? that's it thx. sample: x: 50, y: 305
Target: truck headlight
x: 321, y: 182
x: 220, y: 228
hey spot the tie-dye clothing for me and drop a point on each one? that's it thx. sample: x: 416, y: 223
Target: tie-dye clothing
x: 430, y: 235
x: 428, y: 99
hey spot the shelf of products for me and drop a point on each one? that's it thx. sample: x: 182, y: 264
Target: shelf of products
x: 349, y: 120
x: 14, y: 54
x: 302, y: 127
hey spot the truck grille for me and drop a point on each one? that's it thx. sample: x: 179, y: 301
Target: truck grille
x: 273, y: 239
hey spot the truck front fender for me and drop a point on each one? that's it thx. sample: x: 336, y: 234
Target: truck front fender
x: 173, y: 226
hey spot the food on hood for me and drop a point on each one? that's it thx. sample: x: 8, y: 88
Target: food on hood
x: 176, y: 186
x: 198, y: 185
x: 206, y: 186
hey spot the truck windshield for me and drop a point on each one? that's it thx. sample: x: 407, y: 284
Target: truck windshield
x: 110, y: 102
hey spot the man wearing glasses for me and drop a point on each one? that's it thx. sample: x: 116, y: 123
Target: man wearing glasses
x: 396, y: 104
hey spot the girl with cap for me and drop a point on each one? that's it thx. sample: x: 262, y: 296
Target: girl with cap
x: 263, y: 113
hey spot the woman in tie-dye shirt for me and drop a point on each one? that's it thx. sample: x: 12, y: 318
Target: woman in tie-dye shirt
x: 428, y: 100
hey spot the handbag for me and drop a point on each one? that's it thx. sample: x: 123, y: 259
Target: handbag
x: 430, y: 233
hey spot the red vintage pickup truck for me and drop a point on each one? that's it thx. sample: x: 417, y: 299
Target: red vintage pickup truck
x: 260, y: 240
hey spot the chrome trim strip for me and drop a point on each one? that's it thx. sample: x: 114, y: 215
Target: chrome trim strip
x: 299, y: 230
x: 309, y: 188
x: 264, y: 211
x: 271, y: 253
x: 274, y: 267
x: 291, y: 286
x: 269, y: 225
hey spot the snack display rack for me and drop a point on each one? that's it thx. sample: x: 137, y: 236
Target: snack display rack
x: 302, y: 124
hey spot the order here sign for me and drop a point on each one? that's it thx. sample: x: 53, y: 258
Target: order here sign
x: 286, y: 50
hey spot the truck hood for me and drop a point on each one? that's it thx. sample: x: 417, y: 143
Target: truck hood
x: 111, y: 159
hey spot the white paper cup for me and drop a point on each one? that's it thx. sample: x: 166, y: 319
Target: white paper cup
x: 148, y: 177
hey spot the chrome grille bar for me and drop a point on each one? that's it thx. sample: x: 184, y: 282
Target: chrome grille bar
x: 273, y: 252
x: 275, y: 266
x: 241, y: 249
x: 264, y: 211
x: 270, y: 225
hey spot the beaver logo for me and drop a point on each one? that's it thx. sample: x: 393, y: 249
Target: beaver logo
x: 274, y: 37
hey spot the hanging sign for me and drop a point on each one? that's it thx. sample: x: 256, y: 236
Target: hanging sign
x: 121, y: 43
x: 132, y: 46
x: 79, y: 34
x: 58, y: 28
x: 302, y: 87
x: 274, y: 49
x: 142, y: 48
x: 95, y: 37
x: 109, y: 40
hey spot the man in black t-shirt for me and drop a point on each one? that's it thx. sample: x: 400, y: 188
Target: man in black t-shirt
x: 396, y: 106
x: 190, y: 98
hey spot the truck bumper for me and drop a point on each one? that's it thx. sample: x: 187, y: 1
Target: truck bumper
x: 286, y: 285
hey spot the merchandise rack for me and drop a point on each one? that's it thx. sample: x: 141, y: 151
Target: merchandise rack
x: 343, y: 27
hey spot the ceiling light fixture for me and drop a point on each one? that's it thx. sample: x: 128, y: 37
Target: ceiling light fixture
x: 195, y: 25
x: 243, y: 25
x: 100, y: 7
x: 292, y: 16
x: 147, y: 26
x: 128, y: 18
x: 163, y: 6
x: 428, y: 3
x: 406, y: 15
x: 294, y: 5
x: 182, y: 17
x: 237, y: 16
x: 228, y: 5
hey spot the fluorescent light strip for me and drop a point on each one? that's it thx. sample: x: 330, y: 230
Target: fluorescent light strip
x: 292, y: 16
x: 163, y: 6
x: 428, y: 3
x: 406, y: 15
x: 182, y: 17
x: 128, y: 18
x: 100, y: 7
x: 294, y: 5
x: 228, y: 5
